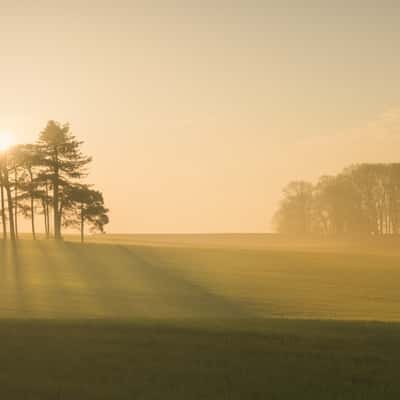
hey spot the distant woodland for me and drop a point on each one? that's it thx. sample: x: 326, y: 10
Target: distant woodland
x: 46, y: 180
x: 362, y: 199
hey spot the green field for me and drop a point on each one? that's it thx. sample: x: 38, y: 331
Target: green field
x: 200, y: 316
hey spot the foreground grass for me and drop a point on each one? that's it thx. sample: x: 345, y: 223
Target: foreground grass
x: 274, y: 359
x: 130, y: 320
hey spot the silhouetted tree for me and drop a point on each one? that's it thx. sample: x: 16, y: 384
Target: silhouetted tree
x: 6, y: 186
x: 363, y: 198
x: 84, y: 205
x: 294, y: 214
x: 27, y: 158
x: 63, y: 164
x: 49, y: 174
x: 2, y: 200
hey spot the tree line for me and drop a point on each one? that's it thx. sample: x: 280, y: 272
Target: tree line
x: 45, y: 179
x: 362, y: 199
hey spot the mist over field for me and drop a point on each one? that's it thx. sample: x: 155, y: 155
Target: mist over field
x: 173, y: 277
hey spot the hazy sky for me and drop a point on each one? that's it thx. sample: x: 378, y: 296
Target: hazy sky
x: 198, y: 113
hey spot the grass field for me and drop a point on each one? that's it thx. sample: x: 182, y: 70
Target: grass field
x: 200, y: 316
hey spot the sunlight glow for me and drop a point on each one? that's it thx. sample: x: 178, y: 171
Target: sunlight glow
x: 6, y: 141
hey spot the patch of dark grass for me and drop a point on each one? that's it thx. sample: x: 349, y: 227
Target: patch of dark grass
x: 199, y: 359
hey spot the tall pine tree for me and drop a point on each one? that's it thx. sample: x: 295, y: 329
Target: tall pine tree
x: 63, y: 165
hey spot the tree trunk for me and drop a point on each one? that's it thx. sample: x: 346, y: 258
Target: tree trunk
x: 57, y: 232
x: 3, y: 210
x: 46, y: 211
x: 45, y: 215
x: 33, y: 219
x: 56, y: 211
x: 16, y: 203
x: 60, y: 213
x: 32, y: 205
x: 82, y: 225
x: 10, y: 205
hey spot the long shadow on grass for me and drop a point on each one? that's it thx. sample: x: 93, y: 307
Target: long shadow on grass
x: 11, y: 263
x: 189, y: 298
x: 59, y: 296
x: 97, y: 287
x: 199, y: 296
x: 160, y: 287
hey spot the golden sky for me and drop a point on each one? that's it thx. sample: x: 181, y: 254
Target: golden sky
x: 198, y: 113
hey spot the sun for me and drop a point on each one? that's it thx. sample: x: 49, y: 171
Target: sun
x: 6, y: 141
